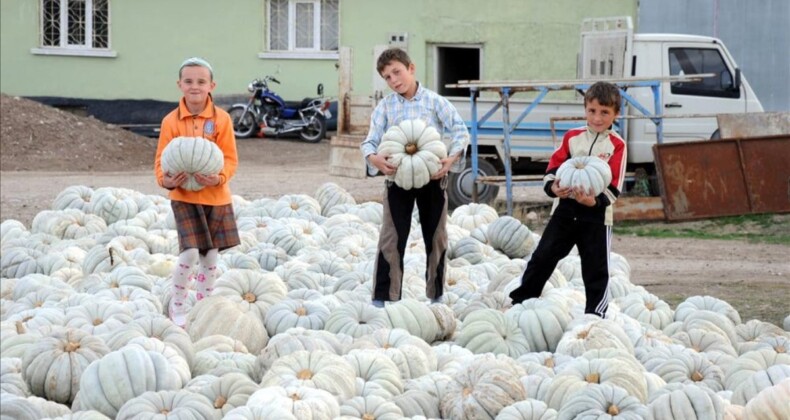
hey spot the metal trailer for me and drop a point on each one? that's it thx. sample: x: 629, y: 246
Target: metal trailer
x: 506, y: 89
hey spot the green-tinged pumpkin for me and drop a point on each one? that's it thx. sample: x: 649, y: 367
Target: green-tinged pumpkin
x: 192, y: 155
x: 416, y: 150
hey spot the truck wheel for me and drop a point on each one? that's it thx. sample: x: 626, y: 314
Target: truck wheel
x: 459, y: 186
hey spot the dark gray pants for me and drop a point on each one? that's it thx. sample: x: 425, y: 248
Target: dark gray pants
x: 395, y: 226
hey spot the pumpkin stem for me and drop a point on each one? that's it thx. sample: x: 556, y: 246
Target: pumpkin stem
x: 20, y: 328
x: 367, y: 416
x: 650, y: 306
x: 220, y: 402
x: 466, y: 392
x: 593, y: 378
x: 301, y: 311
x: 249, y: 297
x: 294, y: 206
x: 697, y: 376
x: 549, y: 362
x: 582, y: 335
x: 613, y: 410
x: 97, y: 321
x: 304, y: 374
x: 71, y: 347
x: 411, y: 148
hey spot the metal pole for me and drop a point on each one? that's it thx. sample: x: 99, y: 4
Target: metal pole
x: 473, y: 99
x: 506, y: 127
x: 656, y: 88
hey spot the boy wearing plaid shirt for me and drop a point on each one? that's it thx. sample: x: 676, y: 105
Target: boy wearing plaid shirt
x: 410, y: 100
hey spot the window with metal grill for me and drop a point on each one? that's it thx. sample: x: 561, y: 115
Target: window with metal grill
x: 303, y: 25
x: 75, y: 24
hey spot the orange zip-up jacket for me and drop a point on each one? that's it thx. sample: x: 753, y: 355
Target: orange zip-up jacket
x: 213, y: 124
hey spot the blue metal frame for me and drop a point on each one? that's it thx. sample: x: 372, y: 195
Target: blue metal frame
x: 509, y: 129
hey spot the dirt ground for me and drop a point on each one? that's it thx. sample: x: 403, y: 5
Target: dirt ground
x: 36, y: 164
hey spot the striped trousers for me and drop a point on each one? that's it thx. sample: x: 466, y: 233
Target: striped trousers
x: 593, y: 241
x: 398, y: 204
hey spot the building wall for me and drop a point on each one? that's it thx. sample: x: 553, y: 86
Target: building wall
x: 152, y: 38
x: 522, y: 39
x: 756, y: 32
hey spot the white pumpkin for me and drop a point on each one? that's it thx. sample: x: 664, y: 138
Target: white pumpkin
x: 488, y: 330
x: 588, y: 173
x: 192, y: 155
x: 54, y: 364
x: 371, y: 407
x: 231, y: 390
x: 602, y: 401
x: 415, y: 403
x: 295, y: 340
x: 483, y: 388
x: 473, y: 215
x: 687, y: 401
x: 220, y: 315
x: 356, y: 319
x: 330, y: 194
x: 510, y: 236
x: 106, y: 385
x: 289, y: 313
x: 172, y: 404
x: 416, y: 149
x: 377, y: 375
x: 302, y: 401
x: 770, y: 403
x: 259, y: 412
x: 527, y: 409
x: 11, y: 380
x: 210, y: 362
x: 318, y: 369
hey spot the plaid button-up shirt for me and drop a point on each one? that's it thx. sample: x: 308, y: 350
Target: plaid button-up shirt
x: 426, y: 105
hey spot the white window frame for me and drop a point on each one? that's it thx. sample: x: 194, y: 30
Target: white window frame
x: 314, y: 53
x: 74, y: 49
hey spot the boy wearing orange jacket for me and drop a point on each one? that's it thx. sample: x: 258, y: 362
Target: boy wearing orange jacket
x: 204, y: 219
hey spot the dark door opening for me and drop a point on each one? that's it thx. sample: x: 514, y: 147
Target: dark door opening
x: 454, y: 64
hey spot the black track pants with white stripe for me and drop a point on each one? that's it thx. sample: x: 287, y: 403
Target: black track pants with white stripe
x: 593, y: 241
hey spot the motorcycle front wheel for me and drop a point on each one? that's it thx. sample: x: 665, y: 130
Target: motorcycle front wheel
x: 315, y: 130
x: 243, y: 122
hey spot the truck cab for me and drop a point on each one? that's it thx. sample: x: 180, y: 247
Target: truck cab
x: 662, y: 55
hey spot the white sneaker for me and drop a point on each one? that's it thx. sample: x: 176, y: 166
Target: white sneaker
x: 178, y: 314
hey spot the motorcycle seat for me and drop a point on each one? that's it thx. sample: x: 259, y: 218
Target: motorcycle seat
x: 298, y: 104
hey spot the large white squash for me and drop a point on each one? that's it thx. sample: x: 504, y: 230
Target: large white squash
x: 416, y: 149
x: 586, y: 172
x: 192, y: 155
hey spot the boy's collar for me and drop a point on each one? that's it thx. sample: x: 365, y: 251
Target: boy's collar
x: 604, y: 132
x: 420, y: 90
x: 208, y: 111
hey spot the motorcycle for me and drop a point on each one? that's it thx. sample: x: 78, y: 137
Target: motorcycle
x: 267, y: 114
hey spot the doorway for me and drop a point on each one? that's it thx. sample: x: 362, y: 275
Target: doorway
x: 454, y: 63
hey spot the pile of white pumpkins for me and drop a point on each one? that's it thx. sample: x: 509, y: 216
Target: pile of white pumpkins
x: 290, y: 332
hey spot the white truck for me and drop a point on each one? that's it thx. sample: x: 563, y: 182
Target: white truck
x: 611, y: 51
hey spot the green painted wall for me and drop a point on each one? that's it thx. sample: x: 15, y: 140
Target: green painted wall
x: 152, y: 38
x: 522, y: 39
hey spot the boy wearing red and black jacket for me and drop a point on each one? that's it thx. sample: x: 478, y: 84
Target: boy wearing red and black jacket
x: 584, y: 220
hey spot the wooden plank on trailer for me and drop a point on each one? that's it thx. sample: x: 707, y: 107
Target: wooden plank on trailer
x: 639, y: 208
x: 755, y: 124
